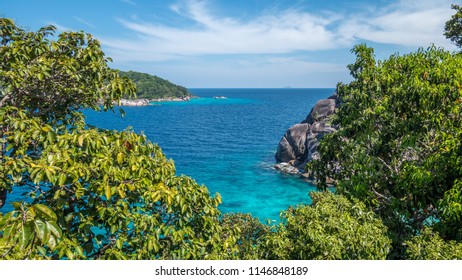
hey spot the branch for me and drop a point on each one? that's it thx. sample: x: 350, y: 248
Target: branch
x: 30, y: 249
x: 395, y: 170
x: 4, y: 99
x: 386, y: 198
x: 101, y: 251
x: 9, y: 250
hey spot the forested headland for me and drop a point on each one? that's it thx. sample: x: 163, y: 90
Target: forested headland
x: 152, y: 87
x: 91, y: 193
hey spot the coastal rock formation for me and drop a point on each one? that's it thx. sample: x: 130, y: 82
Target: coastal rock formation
x: 134, y: 102
x: 299, y: 144
x: 146, y: 102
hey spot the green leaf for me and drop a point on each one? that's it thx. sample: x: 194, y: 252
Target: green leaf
x: 62, y: 179
x: 79, y: 251
x: 120, y: 158
x: 17, y: 205
x: 119, y: 243
x: 107, y: 190
x: 80, y: 140
x: 52, y: 242
x: 5, y: 219
x: 25, y: 236
x: 42, y: 250
x: 54, y: 228
x: 51, y: 137
x: 45, y: 211
x: 41, y: 230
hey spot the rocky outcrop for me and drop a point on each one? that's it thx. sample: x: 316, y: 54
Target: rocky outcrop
x: 299, y: 144
x: 134, y: 102
x: 146, y: 102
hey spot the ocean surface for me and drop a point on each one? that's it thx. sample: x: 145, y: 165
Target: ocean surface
x: 227, y: 144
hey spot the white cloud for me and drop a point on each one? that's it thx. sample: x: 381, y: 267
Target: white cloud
x: 407, y: 23
x: 285, y: 32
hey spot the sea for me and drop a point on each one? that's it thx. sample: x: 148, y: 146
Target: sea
x: 227, y: 144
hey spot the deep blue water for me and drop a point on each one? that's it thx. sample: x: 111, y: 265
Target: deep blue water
x: 227, y: 144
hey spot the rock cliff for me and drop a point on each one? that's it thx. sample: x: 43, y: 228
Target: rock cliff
x: 299, y: 144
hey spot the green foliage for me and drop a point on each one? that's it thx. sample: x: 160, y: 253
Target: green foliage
x: 430, y: 246
x: 88, y: 193
x: 332, y: 228
x: 152, y: 87
x: 250, y: 233
x: 399, y: 145
x: 453, y: 27
x: 52, y: 79
x: 29, y: 231
x: 114, y: 193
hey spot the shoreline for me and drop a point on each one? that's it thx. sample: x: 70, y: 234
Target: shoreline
x: 147, y: 102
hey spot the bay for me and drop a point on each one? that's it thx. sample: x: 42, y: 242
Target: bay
x: 227, y: 144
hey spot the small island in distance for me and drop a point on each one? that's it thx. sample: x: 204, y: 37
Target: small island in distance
x: 151, y: 88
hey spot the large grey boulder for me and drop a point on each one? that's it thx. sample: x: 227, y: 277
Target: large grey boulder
x: 321, y: 110
x: 292, y: 145
x: 300, y: 143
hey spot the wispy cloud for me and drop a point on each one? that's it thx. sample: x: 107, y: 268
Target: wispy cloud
x: 84, y: 22
x: 276, y: 45
x: 287, y: 31
x: 128, y: 2
x: 60, y: 27
x: 407, y: 23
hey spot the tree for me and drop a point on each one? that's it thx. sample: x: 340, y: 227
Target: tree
x: 332, y: 228
x: 453, y: 27
x: 88, y: 193
x: 398, y: 148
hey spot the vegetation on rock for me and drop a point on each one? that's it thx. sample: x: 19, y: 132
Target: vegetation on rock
x: 398, y: 147
x: 153, y: 87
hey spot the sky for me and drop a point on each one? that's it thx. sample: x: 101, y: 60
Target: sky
x: 243, y: 43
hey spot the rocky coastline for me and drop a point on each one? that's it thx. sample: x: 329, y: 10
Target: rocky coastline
x: 299, y: 144
x: 147, y: 102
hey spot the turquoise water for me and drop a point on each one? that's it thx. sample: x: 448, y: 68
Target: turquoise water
x: 226, y: 144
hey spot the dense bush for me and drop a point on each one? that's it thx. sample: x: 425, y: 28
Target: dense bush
x: 430, y: 246
x: 332, y: 228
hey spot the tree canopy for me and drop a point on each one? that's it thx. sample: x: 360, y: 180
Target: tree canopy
x: 399, y: 147
x: 453, y: 27
x: 153, y: 87
x: 88, y: 193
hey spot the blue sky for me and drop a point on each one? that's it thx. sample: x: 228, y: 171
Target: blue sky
x: 243, y: 43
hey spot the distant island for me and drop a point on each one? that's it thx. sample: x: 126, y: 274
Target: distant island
x: 152, y: 88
